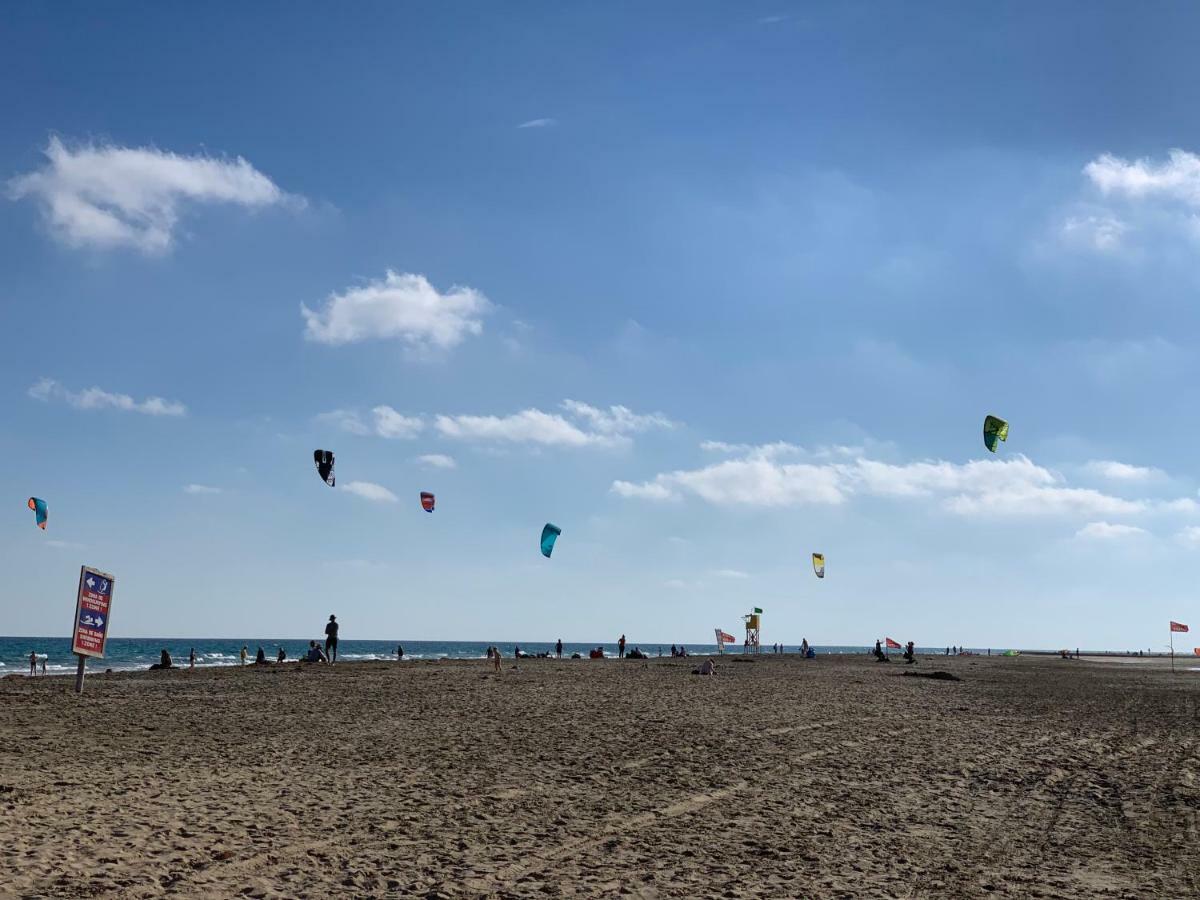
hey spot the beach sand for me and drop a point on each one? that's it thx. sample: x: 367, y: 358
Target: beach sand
x: 778, y: 777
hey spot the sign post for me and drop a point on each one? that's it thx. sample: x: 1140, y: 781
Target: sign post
x: 93, y: 603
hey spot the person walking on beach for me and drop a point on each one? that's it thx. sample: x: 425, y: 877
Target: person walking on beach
x: 192, y: 658
x: 621, y: 648
x: 280, y: 656
x: 558, y: 649
x: 496, y: 660
x: 331, y: 634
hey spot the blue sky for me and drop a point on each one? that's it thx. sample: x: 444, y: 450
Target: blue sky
x: 710, y: 286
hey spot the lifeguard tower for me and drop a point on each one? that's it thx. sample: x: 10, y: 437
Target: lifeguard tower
x: 753, y: 628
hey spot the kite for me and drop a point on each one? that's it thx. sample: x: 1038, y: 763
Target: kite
x: 39, y: 511
x: 324, y: 461
x: 549, y: 535
x: 427, y: 500
x: 819, y: 564
x: 994, y: 429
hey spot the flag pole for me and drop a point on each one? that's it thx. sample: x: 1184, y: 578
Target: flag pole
x: 1172, y: 651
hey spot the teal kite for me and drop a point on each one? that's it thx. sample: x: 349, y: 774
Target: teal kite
x: 994, y: 429
x: 549, y: 535
x: 39, y: 511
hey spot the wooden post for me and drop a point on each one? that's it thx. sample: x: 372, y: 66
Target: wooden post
x: 1172, y: 651
x: 79, y: 673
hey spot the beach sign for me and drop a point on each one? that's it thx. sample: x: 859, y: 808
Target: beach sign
x: 93, y: 604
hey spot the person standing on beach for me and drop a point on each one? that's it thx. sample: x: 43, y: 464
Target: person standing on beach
x: 331, y: 631
x: 558, y: 649
x: 496, y: 659
x: 244, y: 656
x: 280, y: 656
x: 192, y: 658
x: 45, y: 659
x: 32, y: 662
x: 399, y: 652
x: 621, y: 648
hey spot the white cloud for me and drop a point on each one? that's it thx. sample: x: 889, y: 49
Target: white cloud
x: 368, y: 491
x: 391, y: 424
x: 1177, y: 178
x: 616, y: 419
x: 107, y: 196
x: 593, y: 426
x: 401, y: 306
x: 1012, y: 487
x: 386, y: 423
x: 437, y: 461
x: 538, y: 123
x: 1189, y: 536
x: 731, y: 573
x: 48, y: 389
x: 64, y: 545
x: 200, y: 489
x: 345, y: 419
x: 1096, y: 232
x: 1119, y: 471
x: 1107, y: 531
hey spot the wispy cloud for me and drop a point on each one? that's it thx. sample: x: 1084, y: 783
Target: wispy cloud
x: 201, y: 489
x: 437, y: 461
x: 772, y: 20
x: 538, y: 123
x: 731, y: 573
x: 385, y: 422
x: 400, y: 306
x: 1189, y: 536
x: 376, y: 493
x: 105, y: 196
x: 1119, y: 471
x: 582, y: 425
x: 1108, y: 531
x: 47, y: 389
x: 1095, y: 232
x: 64, y: 545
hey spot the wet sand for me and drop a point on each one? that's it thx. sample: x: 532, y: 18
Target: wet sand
x: 778, y: 777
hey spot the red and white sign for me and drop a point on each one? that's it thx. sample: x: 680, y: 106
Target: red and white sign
x: 1177, y: 626
x: 93, y: 604
x: 892, y: 645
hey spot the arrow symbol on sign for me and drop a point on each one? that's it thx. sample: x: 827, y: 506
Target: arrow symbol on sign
x: 99, y: 621
x: 91, y: 582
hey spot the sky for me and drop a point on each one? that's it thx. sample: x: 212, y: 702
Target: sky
x: 710, y: 286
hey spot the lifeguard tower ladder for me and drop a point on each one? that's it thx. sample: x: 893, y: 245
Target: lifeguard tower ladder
x: 753, y: 627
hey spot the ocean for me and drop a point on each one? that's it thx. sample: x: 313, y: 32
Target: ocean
x: 130, y: 654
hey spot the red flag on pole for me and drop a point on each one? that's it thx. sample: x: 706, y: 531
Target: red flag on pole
x: 1176, y: 626
x: 892, y: 645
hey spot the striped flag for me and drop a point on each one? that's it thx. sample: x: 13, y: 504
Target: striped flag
x: 1176, y: 626
x: 892, y: 645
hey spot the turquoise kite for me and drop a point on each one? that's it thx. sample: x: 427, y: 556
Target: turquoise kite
x: 39, y: 511
x: 549, y: 535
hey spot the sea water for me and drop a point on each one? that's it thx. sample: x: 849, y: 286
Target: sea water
x: 126, y: 654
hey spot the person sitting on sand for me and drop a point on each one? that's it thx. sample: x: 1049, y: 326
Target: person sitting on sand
x: 705, y: 668
x: 164, y: 661
x: 598, y: 653
x: 260, y: 658
x: 315, y: 653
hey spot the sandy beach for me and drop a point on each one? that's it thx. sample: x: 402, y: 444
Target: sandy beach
x: 776, y: 778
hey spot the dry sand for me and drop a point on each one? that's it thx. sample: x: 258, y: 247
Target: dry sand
x: 776, y: 778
